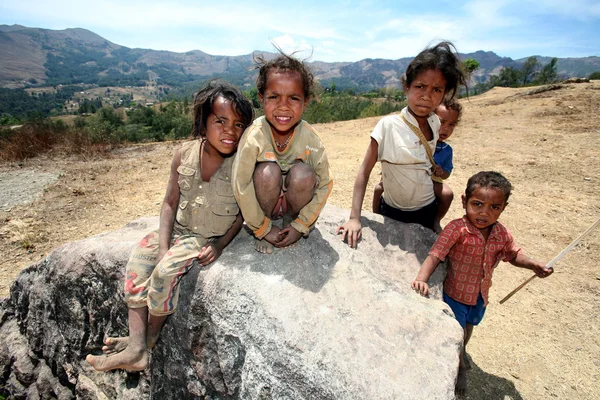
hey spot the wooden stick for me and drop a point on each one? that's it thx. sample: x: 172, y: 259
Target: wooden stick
x: 555, y: 259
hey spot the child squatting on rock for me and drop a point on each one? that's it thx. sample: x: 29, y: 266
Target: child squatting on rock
x: 281, y: 168
x: 473, y: 246
x: 199, y: 217
x: 398, y: 142
x: 449, y: 113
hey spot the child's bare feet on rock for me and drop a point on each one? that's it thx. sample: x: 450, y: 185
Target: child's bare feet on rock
x: 262, y: 246
x: 127, y: 359
x: 115, y: 345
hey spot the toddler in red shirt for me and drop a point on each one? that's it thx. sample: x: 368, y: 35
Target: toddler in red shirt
x: 474, y: 245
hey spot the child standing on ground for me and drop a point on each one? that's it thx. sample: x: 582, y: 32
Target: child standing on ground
x: 474, y: 245
x: 399, y: 141
x: 449, y: 113
x: 198, y: 218
x: 281, y: 168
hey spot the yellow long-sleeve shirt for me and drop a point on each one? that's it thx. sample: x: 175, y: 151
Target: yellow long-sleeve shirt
x: 257, y: 145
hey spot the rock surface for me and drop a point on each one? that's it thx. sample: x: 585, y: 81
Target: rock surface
x: 315, y: 321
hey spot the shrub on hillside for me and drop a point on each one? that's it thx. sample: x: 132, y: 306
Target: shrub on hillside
x: 34, y: 139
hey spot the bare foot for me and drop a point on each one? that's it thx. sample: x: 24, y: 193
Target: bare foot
x: 461, y: 382
x: 262, y: 246
x: 127, y: 359
x: 115, y: 345
x: 466, y: 362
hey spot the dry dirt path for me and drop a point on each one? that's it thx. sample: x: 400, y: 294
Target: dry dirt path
x: 543, y: 343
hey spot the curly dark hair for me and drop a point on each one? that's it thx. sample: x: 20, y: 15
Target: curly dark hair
x: 284, y: 63
x: 444, y: 57
x: 205, y: 98
x: 488, y: 179
x: 452, y: 104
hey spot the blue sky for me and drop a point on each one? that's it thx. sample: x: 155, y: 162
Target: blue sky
x: 331, y: 30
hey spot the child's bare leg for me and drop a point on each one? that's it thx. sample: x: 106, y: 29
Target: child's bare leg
x: 117, y: 345
x: 155, y: 324
x: 377, y: 198
x: 468, y: 333
x: 267, y: 185
x: 300, y: 183
x: 464, y: 365
x: 445, y: 196
x: 135, y: 356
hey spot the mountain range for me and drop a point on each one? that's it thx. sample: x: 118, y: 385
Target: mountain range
x: 35, y: 57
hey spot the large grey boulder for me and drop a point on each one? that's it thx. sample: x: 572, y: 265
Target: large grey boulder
x: 316, y: 321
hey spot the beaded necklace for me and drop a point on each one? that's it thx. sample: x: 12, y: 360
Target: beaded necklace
x: 284, y: 145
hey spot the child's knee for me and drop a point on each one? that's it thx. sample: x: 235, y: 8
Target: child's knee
x: 267, y: 173
x: 378, y: 190
x: 267, y: 176
x: 447, y: 193
x: 301, y: 177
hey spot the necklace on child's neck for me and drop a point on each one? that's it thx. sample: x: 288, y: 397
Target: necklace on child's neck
x: 282, y: 146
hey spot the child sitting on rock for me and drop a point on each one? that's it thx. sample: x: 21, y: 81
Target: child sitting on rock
x: 281, y: 168
x: 403, y: 143
x: 199, y: 217
x: 449, y: 113
x: 473, y: 246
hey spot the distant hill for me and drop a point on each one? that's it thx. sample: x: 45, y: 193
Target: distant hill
x: 33, y: 57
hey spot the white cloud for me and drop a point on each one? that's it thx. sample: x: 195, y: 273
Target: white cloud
x: 583, y: 10
x: 342, y: 30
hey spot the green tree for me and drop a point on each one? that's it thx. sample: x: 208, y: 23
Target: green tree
x: 471, y: 65
x: 529, y: 69
x: 252, y: 95
x: 508, y: 77
x: 332, y: 89
x: 548, y: 73
x: 595, y: 75
x: 7, y: 119
x: 111, y: 116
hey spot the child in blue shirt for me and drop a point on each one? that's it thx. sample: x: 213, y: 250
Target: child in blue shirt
x: 449, y: 113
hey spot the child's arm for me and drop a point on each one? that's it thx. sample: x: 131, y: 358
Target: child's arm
x: 427, y: 268
x: 444, y: 165
x: 540, y: 269
x: 169, y: 208
x: 441, y: 172
x: 351, y: 230
x: 212, y: 250
x: 288, y: 236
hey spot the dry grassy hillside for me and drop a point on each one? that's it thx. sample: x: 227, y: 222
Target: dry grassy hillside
x: 543, y: 343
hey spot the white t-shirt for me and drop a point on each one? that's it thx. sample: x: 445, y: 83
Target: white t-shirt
x: 405, y: 167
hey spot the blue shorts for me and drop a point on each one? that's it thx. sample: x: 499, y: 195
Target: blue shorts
x: 466, y: 314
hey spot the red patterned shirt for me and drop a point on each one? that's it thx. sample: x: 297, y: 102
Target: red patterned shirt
x: 471, y: 260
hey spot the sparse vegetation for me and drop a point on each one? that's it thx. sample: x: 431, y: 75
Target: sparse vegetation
x: 532, y: 73
x: 595, y: 75
x: 36, y: 138
x: 109, y: 117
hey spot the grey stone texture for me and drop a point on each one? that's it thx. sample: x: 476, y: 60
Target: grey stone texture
x: 315, y: 321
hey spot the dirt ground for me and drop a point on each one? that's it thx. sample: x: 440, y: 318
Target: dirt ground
x: 543, y: 343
